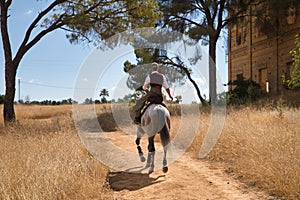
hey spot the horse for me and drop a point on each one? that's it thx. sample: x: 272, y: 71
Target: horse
x: 156, y: 119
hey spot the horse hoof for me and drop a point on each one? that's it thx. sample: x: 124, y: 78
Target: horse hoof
x: 147, y: 165
x: 151, y: 170
x: 165, y: 169
x: 143, y: 159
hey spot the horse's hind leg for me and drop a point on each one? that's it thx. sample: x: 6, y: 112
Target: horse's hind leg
x: 165, y: 163
x: 165, y: 140
x: 151, y: 154
x: 137, y: 142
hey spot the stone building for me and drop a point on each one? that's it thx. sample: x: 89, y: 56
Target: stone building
x: 261, y: 58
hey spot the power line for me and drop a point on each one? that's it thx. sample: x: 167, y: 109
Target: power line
x: 55, y: 86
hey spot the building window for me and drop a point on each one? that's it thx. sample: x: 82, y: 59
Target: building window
x: 291, y: 15
x: 287, y: 73
x: 241, y: 35
x: 288, y: 70
x: 238, y: 36
x: 241, y: 31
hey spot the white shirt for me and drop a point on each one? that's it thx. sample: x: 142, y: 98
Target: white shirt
x: 147, y: 81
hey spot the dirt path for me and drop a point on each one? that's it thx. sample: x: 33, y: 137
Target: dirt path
x: 187, y: 178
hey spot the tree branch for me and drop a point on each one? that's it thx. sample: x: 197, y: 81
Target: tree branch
x: 237, y: 14
x: 8, y: 3
x: 206, y: 12
x: 23, y: 49
x: 220, y: 16
x: 77, y: 32
x: 26, y: 45
x: 199, y: 7
x: 37, y: 19
x: 215, y: 9
x: 189, y: 20
x: 171, y: 62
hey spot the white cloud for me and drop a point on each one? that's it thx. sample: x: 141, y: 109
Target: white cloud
x: 112, y: 90
x: 201, y: 81
x: 28, y: 12
x: 119, y: 91
x: 85, y: 80
x: 36, y: 81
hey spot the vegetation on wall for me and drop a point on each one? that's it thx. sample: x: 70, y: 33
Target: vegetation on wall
x: 294, y: 81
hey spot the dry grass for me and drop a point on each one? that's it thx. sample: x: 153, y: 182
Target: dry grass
x: 261, y: 147
x: 41, y: 112
x: 44, y: 159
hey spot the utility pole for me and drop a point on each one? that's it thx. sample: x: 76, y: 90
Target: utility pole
x: 19, y: 89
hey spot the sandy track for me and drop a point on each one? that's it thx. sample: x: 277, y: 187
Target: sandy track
x: 187, y: 178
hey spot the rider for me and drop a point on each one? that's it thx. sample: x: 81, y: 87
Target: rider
x: 154, y: 95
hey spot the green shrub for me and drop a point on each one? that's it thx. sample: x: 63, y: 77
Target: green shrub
x: 245, y: 91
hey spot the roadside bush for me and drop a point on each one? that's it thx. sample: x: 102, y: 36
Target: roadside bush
x: 245, y: 91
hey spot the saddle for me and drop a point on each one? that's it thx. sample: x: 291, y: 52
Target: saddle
x: 155, y: 98
x: 149, y: 103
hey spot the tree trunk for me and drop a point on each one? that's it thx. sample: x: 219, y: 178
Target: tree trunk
x: 10, y: 66
x: 10, y: 82
x: 212, y: 70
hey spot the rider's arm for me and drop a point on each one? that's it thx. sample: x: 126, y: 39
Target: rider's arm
x: 146, y: 83
x: 166, y: 86
x: 169, y: 93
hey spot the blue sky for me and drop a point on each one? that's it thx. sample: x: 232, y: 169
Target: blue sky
x: 49, y: 70
x: 53, y: 61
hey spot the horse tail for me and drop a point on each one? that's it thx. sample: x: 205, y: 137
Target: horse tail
x: 165, y: 131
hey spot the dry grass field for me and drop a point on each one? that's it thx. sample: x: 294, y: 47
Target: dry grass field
x: 260, y: 147
x: 43, y: 158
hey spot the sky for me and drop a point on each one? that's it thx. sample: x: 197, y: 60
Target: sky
x: 54, y: 67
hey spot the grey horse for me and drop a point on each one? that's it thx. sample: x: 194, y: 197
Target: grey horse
x: 156, y: 119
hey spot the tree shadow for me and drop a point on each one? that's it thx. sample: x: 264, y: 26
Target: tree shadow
x: 107, y: 121
x: 131, y: 181
x: 104, y: 120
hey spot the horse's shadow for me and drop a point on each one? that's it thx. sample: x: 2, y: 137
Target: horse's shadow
x: 131, y: 180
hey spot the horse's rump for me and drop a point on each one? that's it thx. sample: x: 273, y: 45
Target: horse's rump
x: 156, y: 119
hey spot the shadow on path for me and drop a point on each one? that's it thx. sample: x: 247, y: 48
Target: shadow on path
x: 131, y: 181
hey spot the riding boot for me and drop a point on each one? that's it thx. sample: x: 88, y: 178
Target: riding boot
x: 137, y: 120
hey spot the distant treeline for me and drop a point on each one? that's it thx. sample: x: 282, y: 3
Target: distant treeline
x: 50, y: 102
x: 2, y: 98
x: 44, y: 102
x: 54, y: 102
